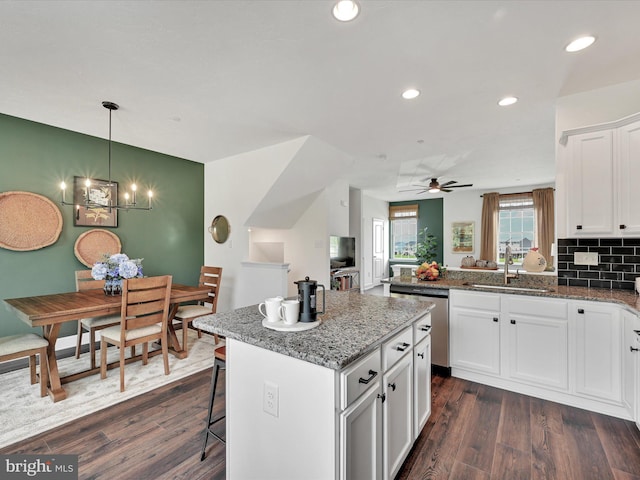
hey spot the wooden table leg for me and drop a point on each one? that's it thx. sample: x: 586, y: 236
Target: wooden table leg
x: 174, y: 345
x: 56, y: 392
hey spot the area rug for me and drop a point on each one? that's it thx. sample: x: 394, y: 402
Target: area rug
x: 23, y: 412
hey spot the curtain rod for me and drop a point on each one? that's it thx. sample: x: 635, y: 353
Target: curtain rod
x: 518, y: 193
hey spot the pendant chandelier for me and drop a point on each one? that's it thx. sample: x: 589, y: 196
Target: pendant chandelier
x: 93, y: 198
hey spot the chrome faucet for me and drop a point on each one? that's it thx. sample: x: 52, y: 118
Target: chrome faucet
x: 508, y: 260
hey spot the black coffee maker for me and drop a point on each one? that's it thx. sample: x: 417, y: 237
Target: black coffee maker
x: 307, y: 290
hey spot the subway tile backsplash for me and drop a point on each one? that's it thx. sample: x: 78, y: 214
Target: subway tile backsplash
x: 618, y: 263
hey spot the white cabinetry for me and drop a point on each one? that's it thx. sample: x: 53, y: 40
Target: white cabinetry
x: 361, y: 437
x: 628, y: 174
x: 385, y: 399
x: 397, y: 414
x: 591, y: 192
x: 566, y: 351
x: 598, y: 337
x: 475, y: 331
x: 600, y: 164
x: 630, y: 362
x: 535, y: 341
x: 421, y: 385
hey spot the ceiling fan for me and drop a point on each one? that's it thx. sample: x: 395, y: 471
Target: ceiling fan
x: 435, y: 187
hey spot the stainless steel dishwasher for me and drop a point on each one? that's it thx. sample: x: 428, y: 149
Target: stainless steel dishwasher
x: 439, y: 322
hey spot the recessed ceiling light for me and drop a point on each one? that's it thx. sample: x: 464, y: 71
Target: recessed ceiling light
x: 506, y: 101
x: 346, y: 10
x: 410, y: 93
x: 580, y: 43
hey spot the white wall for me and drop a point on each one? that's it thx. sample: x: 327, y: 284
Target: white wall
x: 232, y: 189
x: 597, y: 106
x: 236, y: 186
x: 338, y: 204
x: 372, y: 208
x: 306, y: 245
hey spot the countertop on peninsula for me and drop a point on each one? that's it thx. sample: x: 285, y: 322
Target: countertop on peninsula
x: 627, y: 298
x: 353, y: 325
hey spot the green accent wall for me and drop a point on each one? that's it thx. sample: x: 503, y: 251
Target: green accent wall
x: 36, y: 158
x: 430, y: 214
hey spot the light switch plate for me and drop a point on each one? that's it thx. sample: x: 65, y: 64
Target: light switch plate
x: 585, y: 258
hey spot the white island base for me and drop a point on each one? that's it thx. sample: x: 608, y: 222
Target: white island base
x: 298, y: 442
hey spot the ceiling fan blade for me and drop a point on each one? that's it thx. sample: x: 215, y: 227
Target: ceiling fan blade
x: 445, y: 190
x: 446, y: 184
x: 460, y: 186
x: 417, y: 191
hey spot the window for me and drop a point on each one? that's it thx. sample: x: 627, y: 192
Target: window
x: 516, y: 225
x: 404, y: 231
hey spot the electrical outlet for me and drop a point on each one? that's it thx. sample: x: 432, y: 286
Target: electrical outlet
x: 585, y: 258
x: 270, y: 399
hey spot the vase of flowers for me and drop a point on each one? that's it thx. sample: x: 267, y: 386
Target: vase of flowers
x: 115, y: 268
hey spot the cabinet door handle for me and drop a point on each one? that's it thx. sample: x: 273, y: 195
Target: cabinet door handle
x: 622, y: 227
x: 402, y: 347
x: 383, y: 396
x: 495, y: 319
x: 578, y: 227
x: 421, y: 355
x: 581, y: 310
x: 425, y: 328
x: 393, y: 386
x: 372, y: 374
x: 633, y: 349
x: 513, y: 322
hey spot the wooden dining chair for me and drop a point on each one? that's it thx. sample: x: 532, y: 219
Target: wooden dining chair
x: 186, y: 314
x: 84, y: 282
x: 28, y: 345
x: 143, y: 318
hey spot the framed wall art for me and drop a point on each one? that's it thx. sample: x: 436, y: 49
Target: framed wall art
x: 98, y: 192
x: 462, y: 237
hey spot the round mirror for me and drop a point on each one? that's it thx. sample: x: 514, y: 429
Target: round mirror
x: 220, y: 229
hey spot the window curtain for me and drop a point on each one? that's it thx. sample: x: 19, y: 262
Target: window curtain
x: 543, y: 201
x: 489, y: 229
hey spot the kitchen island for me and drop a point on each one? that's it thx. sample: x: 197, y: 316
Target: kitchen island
x: 289, y: 394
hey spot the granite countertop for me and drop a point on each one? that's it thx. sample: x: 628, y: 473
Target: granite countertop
x: 627, y: 298
x: 353, y: 325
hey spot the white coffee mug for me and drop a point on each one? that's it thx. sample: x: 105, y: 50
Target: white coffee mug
x: 289, y: 311
x: 269, y: 308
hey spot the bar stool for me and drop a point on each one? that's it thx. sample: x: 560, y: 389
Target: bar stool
x: 220, y: 355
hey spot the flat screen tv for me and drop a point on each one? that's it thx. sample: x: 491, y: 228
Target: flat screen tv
x: 342, y: 252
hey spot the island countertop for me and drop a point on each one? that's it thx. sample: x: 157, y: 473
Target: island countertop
x: 353, y: 324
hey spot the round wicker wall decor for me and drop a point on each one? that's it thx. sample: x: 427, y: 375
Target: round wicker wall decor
x: 93, y: 244
x: 28, y: 221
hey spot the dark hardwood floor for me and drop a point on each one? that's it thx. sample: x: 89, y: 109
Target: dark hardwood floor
x: 475, y: 432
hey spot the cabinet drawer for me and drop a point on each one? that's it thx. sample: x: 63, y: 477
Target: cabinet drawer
x: 358, y: 378
x: 475, y: 300
x: 394, y: 349
x: 421, y: 328
x: 542, y: 307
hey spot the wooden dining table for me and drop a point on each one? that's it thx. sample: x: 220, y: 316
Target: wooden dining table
x: 51, y: 311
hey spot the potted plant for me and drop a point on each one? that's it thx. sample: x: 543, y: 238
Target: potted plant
x: 426, y: 251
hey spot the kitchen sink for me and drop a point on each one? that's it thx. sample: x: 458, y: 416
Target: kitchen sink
x: 509, y: 288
